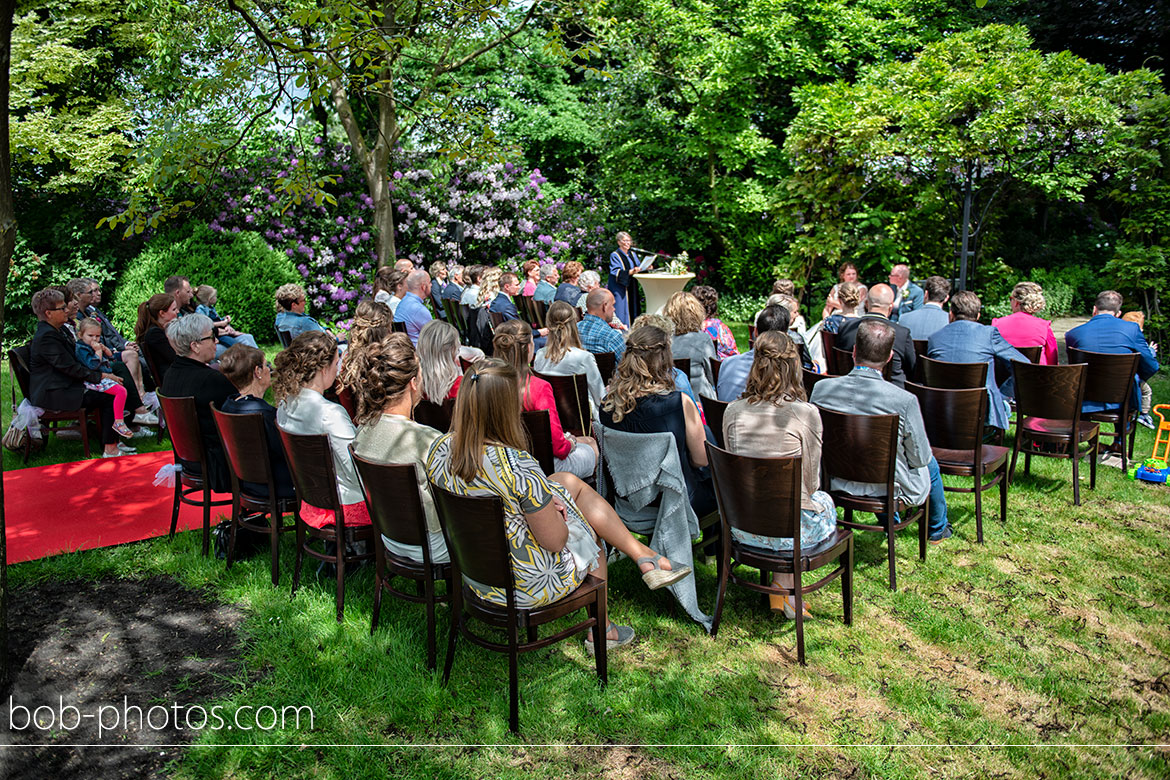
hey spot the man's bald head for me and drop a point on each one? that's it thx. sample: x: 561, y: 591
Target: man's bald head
x: 419, y: 283
x: 598, y: 300
x: 880, y: 300
x: 404, y: 264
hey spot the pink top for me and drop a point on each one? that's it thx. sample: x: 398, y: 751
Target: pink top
x: 1027, y: 330
x: 538, y: 395
x: 529, y: 288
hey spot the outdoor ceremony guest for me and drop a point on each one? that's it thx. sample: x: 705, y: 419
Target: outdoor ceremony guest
x: 552, y: 522
x: 690, y: 340
x: 596, y: 334
x: 455, y: 283
x: 847, y: 272
x: 623, y: 266
x: 404, y: 264
x: 189, y: 375
x: 725, y: 345
x: 251, y: 374
x: 180, y: 287
x: 412, y: 311
x: 387, y: 432
x: 503, y: 304
x: 878, y: 305
x: 56, y: 378
x: 470, y: 295
x: 154, y: 315
x: 304, y: 372
x: 568, y: 290
x: 923, y: 322
x: 772, y: 419
x: 72, y: 307
x: 389, y: 286
x: 908, y: 296
x: 111, y: 337
x: 438, y: 361
x: 788, y: 287
x: 439, y: 275
x: 531, y: 270
x: 734, y: 372
x: 848, y: 299
x: 682, y: 382
x: 206, y: 298
x: 371, y: 324
x: 1139, y: 318
x: 480, y: 321
x: 95, y: 355
x: 966, y: 341
x: 1022, y: 328
x: 797, y: 335
x: 642, y: 398
x: 563, y: 355
x: 1107, y: 332
x: 123, y: 355
x: 513, y: 343
x: 862, y: 391
x: 290, y: 316
x: 547, y: 288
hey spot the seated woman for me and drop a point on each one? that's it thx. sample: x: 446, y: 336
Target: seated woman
x: 847, y: 272
x: 189, y: 375
x: 563, y: 355
x: 772, y: 420
x: 531, y: 271
x: 387, y: 432
x: 725, y: 345
x: 551, y: 522
x: 642, y: 399
x: 154, y: 315
x: 439, y: 351
x: 848, y: 301
x: 207, y: 298
x: 690, y: 340
x: 513, y: 343
x: 57, y: 378
x: 251, y: 373
x: 1022, y: 328
x: 290, y: 311
x: 304, y: 372
x: 371, y: 324
x: 389, y: 287
x: 567, y: 290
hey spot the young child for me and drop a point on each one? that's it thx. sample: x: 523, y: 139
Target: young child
x: 1147, y: 394
x: 225, y: 334
x: 95, y: 355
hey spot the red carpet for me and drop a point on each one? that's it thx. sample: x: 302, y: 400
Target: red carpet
x: 91, y: 503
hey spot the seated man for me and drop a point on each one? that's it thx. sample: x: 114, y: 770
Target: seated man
x: 438, y: 286
x: 907, y: 295
x: 878, y: 305
x: 923, y: 322
x: 180, y: 287
x: 291, y: 317
x: 125, y: 362
x: 966, y: 341
x: 596, y: 333
x: 503, y: 304
x: 1107, y: 333
x: 547, y: 289
x: 454, y: 289
x: 733, y: 372
x: 412, y: 311
x: 862, y: 391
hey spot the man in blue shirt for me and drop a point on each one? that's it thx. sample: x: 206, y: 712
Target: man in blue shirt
x: 411, y: 310
x: 733, y: 372
x: 547, y: 289
x: 597, y: 335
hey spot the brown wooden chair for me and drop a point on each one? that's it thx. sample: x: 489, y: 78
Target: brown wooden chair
x: 1048, y: 414
x: 842, y: 361
x: 1109, y: 379
x: 920, y: 346
x: 762, y: 496
x: 954, y: 425
x: 953, y: 376
x: 474, y: 530
x: 713, y: 410
x: 464, y: 364
x: 846, y: 435
x: 539, y: 429
x: 456, y: 317
x: 572, y: 398
x: 398, y: 327
x: 606, y: 365
x: 1004, y: 373
x: 51, y: 421
x: 310, y: 460
x: 396, y: 509
x: 751, y: 335
x: 828, y: 343
x: 284, y: 337
x: 437, y: 416
x: 245, y: 442
x: 187, y: 444
x: 539, y: 311
x: 497, y: 319
x: 715, y: 364
x: 683, y: 365
x: 810, y: 379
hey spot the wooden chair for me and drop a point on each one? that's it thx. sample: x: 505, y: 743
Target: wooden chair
x: 398, y: 327
x: 310, y: 460
x: 715, y: 364
x: 438, y: 416
x: 455, y: 316
x: 539, y: 429
x: 1048, y: 410
x: 187, y: 444
x: 751, y: 335
x: 464, y: 364
x: 683, y: 365
x: 953, y: 376
x: 762, y: 496
x: 1109, y: 379
x: 606, y: 365
x: 396, y: 509
x: 497, y: 319
x: 713, y: 409
x: 50, y: 421
x: 1003, y: 374
x: 810, y: 379
x: 954, y: 425
x: 828, y: 344
x: 846, y: 435
x: 245, y: 442
x: 539, y: 311
x: 476, y: 539
x: 842, y: 361
x: 920, y: 346
x: 284, y: 337
x: 572, y: 398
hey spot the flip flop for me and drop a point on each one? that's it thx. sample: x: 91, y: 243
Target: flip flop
x: 658, y: 577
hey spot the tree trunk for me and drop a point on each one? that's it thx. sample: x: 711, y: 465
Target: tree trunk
x: 7, y: 246
x: 965, y: 234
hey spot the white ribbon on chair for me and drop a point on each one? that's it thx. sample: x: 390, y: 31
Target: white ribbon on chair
x: 26, y: 418
x: 167, y: 475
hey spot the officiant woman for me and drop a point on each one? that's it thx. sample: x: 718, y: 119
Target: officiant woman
x: 623, y: 264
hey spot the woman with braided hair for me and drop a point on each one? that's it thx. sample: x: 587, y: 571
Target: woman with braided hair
x: 371, y: 324
x: 772, y: 419
x: 563, y: 355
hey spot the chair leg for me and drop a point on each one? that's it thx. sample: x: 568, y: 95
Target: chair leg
x: 601, y: 651
x: 798, y: 598
x: 721, y: 592
x: 978, y: 485
x: 847, y: 583
x: 1003, y: 491
x: 378, y: 585
x: 1124, y: 427
x: 300, y: 526
x: 1093, y: 463
x: 85, y: 433
x: 340, y: 597
x: 1076, y: 461
x: 890, y: 549
x: 453, y: 587
x: 430, y: 594
x: 175, y: 506
x: 206, y: 518
x: 923, y: 529
x: 235, y: 524
x: 514, y: 673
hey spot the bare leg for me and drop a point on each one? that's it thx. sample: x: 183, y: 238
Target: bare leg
x: 130, y: 358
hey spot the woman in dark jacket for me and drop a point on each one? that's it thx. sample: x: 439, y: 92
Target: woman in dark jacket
x: 151, y: 332
x: 57, y: 378
x: 251, y: 373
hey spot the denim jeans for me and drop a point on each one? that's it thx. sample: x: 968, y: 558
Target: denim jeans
x: 936, y: 501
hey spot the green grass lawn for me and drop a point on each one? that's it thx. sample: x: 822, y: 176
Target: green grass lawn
x: 1017, y: 655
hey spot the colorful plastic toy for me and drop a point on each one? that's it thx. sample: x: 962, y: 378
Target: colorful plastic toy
x: 1154, y: 469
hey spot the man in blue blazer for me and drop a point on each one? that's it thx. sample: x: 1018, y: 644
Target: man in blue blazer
x: 907, y: 295
x: 966, y: 341
x: 503, y: 304
x: 924, y: 322
x: 1107, y: 332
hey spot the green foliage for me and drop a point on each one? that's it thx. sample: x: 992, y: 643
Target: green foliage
x: 1068, y: 290
x: 739, y: 307
x: 240, y: 266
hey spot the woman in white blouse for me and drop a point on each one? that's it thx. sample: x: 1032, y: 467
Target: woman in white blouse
x: 563, y: 354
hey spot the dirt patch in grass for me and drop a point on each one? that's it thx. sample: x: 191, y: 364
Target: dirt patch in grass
x: 107, y: 648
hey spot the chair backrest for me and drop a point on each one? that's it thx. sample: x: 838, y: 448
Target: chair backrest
x: 1032, y: 353
x: 683, y: 365
x: 757, y: 495
x: 183, y: 424
x: 954, y: 418
x: 539, y: 311
x: 246, y: 443
x: 572, y: 398
x: 392, y: 496
x: 540, y: 446
x: 437, y: 416
x: 497, y: 319
x: 1109, y: 377
x: 151, y: 364
x: 474, y: 530
x: 18, y: 359
x: 953, y: 376
x: 1053, y: 392
x: 606, y: 365
x: 847, y: 435
x: 828, y: 342
x: 310, y: 460
x: 810, y: 379
x: 455, y: 316
x: 398, y: 327
x: 715, y: 364
x: 285, y: 338
x: 842, y: 361
x: 751, y: 335
x: 920, y: 348
x: 713, y: 410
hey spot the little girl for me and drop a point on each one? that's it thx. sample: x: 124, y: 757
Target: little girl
x: 95, y: 355
x: 225, y: 334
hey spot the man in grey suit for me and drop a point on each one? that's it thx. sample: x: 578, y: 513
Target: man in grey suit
x: 931, y: 317
x: 862, y: 391
x: 907, y: 295
x: 878, y: 305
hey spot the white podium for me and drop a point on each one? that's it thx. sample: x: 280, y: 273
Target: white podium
x: 658, y: 287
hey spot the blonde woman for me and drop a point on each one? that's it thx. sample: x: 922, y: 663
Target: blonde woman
x: 1022, y: 328
x: 563, y: 355
x: 438, y: 361
x: 848, y: 300
x: 691, y: 340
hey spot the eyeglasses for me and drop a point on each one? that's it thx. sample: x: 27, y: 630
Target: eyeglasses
x: 57, y: 308
x: 207, y: 338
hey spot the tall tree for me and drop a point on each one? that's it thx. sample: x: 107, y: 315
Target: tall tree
x: 7, y: 245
